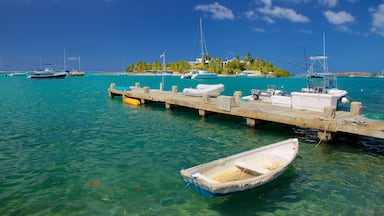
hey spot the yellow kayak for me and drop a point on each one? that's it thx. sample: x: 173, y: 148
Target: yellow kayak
x: 131, y: 101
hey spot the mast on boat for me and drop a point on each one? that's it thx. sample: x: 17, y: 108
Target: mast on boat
x: 162, y: 71
x: 65, y: 62
x: 204, y: 49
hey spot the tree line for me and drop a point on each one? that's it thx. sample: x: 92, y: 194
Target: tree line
x: 215, y: 65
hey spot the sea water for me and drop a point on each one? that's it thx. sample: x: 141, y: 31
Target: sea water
x: 67, y: 148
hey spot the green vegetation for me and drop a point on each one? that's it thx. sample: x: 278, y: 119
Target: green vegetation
x: 216, y: 65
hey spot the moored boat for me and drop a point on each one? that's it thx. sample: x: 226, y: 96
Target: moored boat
x: 243, y: 171
x: 201, y: 89
x: 48, y: 72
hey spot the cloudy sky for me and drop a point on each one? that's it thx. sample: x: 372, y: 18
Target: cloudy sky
x: 111, y: 34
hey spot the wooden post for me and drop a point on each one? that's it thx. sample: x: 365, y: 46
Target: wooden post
x: 167, y: 106
x: 111, y: 86
x: 252, y: 122
x: 325, y: 136
x: 206, y: 98
x: 237, y: 95
x: 329, y: 114
x: 146, y: 90
x: 202, y: 113
x: 174, y: 89
x: 356, y: 108
x: 142, y: 101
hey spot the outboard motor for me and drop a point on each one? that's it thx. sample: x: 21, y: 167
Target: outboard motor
x: 256, y: 94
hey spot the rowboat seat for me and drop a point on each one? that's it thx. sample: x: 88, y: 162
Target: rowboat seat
x: 251, y: 168
x: 205, y: 178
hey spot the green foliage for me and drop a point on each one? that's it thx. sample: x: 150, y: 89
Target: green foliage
x: 216, y: 65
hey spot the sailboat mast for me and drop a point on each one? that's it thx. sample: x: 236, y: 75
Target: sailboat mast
x: 65, y: 63
x: 79, y: 64
x: 201, y: 40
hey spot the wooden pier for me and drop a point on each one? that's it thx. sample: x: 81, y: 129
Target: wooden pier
x: 328, y: 122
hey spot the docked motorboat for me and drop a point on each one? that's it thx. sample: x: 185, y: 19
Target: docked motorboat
x: 263, y: 95
x: 321, y: 90
x: 208, y: 89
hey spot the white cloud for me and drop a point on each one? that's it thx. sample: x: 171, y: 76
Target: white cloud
x: 283, y: 13
x: 306, y: 31
x: 260, y: 30
x: 270, y: 12
x: 328, y: 3
x: 218, y: 11
x: 378, y: 20
x: 339, y: 18
x: 250, y: 15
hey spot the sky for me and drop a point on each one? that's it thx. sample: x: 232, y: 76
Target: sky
x: 109, y: 35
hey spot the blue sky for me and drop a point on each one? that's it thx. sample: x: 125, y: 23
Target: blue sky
x: 111, y: 34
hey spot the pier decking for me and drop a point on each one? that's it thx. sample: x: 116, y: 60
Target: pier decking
x: 327, y: 122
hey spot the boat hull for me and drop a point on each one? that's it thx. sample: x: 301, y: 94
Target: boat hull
x: 48, y: 76
x: 243, y: 171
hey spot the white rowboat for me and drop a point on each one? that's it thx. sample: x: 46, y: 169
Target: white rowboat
x: 243, y: 171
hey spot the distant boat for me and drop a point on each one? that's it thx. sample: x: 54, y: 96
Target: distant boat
x: 201, y: 89
x: 16, y: 74
x: 382, y: 74
x: 76, y: 73
x: 48, y: 72
x: 73, y: 72
x: 198, y: 73
x: 243, y: 171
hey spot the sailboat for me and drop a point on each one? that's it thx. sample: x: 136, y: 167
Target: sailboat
x: 73, y: 72
x: 382, y: 74
x: 197, y: 73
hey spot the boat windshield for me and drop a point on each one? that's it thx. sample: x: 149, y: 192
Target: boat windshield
x: 322, y: 82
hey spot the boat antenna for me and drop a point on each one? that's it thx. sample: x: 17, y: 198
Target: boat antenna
x: 324, y: 56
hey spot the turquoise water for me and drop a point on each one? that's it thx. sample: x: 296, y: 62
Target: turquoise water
x: 66, y: 148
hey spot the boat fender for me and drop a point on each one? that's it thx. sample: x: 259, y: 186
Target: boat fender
x: 344, y: 100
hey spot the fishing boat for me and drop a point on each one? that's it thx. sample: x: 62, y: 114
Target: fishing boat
x: 47, y: 73
x: 201, y: 89
x: 243, y: 171
x: 321, y: 90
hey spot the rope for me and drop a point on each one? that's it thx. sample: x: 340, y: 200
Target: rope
x: 325, y: 131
